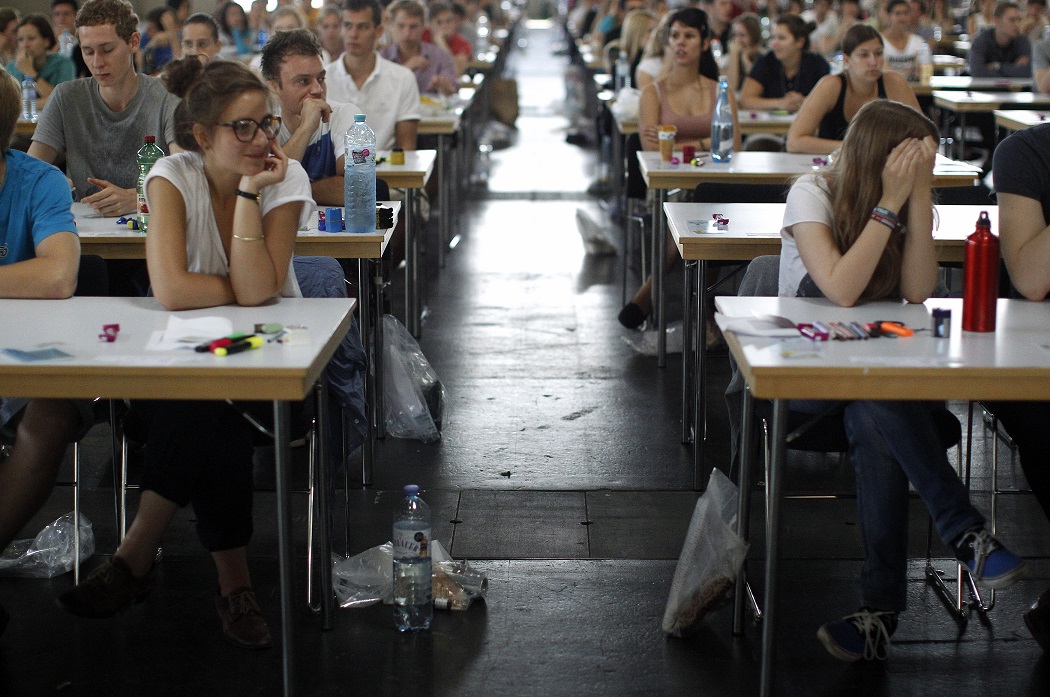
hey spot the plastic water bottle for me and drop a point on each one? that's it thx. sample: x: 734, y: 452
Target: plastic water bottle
x: 65, y: 44
x: 413, y: 596
x: 359, y: 182
x: 623, y: 71
x: 722, y: 125
x: 262, y: 37
x: 148, y: 154
x: 28, y: 99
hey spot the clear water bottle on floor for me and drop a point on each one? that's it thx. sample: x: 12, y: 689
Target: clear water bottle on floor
x: 28, y: 99
x: 147, y: 156
x: 359, y: 177
x: 722, y: 125
x: 413, y: 598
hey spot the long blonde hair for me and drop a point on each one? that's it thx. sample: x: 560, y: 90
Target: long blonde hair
x: 635, y: 25
x: 654, y: 47
x: 855, y: 182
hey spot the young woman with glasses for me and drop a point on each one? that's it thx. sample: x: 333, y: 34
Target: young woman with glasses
x: 224, y: 217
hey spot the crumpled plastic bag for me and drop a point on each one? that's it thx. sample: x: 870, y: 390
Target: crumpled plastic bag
x: 644, y: 343
x: 626, y: 105
x: 50, y: 553
x: 368, y: 578
x: 711, y: 558
x: 413, y: 396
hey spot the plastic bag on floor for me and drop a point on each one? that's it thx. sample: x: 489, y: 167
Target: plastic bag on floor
x: 413, y: 396
x: 645, y: 342
x: 368, y: 578
x: 50, y: 553
x: 710, y: 560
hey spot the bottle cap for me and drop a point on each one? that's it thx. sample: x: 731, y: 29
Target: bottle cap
x: 151, y: 139
x: 411, y: 490
x: 359, y: 118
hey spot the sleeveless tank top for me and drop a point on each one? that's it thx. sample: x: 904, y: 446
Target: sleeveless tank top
x: 689, y: 127
x: 834, y: 124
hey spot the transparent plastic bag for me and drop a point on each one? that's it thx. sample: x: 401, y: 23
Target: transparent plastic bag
x: 413, y: 396
x: 710, y: 559
x: 368, y: 578
x: 628, y: 100
x: 50, y: 553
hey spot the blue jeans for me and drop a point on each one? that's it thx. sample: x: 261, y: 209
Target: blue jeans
x: 892, y: 444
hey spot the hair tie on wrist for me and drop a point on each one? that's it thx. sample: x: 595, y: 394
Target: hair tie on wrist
x: 245, y: 194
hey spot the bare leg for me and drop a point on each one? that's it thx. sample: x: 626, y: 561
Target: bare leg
x: 232, y: 565
x: 644, y: 297
x: 28, y: 475
x: 140, y: 544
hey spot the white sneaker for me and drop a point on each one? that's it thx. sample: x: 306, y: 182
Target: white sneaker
x: 595, y: 241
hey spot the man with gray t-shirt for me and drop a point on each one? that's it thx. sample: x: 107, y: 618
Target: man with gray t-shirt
x: 100, y: 122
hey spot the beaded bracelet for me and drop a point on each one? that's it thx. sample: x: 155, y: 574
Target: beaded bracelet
x: 886, y: 217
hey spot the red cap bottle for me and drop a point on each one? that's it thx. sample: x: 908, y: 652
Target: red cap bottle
x: 981, y: 278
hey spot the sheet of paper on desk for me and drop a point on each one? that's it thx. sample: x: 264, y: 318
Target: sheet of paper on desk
x: 699, y: 227
x: 767, y: 326
x: 182, y: 334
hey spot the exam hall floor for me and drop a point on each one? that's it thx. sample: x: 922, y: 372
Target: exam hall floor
x: 561, y: 475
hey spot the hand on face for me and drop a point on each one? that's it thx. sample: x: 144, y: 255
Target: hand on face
x: 274, y: 170
x: 314, y: 112
x: 908, y: 165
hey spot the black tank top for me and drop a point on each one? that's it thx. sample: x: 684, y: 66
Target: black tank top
x: 834, y: 124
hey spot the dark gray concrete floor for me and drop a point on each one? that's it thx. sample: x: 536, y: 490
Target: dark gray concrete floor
x: 561, y: 475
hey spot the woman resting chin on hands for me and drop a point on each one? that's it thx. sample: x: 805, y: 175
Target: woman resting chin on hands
x: 224, y: 216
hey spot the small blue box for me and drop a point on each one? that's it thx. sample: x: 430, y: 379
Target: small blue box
x: 333, y: 218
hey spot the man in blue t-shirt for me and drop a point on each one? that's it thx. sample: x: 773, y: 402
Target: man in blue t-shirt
x: 39, y: 258
x: 1021, y: 172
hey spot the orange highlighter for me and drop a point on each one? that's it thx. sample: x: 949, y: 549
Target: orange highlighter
x: 896, y: 328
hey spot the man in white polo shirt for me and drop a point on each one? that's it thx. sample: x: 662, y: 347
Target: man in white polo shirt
x: 385, y: 91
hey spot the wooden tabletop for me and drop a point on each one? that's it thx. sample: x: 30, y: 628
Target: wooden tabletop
x: 776, y: 123
x: 125, y: 368
x: 25, y: 128
x: 102, y: 236
x: 965, y: 82
x: 419, y: 165
x: 769, y: 168
x: 1012, y: 363
x: 1020, y: 119
x: 987, y: 102
x: 754, y: 230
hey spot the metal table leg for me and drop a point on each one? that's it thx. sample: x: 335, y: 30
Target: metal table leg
x: 688, y: 346
x: 769, y: 626
x: 411, y: 265
x: 368, y: 340
x: 377, y: 330
x: 700, y: 470
x: 323, y: 507
x: 659, y: 261
x: 443, y: 198
x: 282, y: 457
x: 743, y: 520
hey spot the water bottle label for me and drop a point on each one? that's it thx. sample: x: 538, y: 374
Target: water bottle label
x: 360, y: 157
x: 412, y: 543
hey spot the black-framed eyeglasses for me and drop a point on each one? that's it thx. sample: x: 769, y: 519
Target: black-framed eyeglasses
x: 245, y: 129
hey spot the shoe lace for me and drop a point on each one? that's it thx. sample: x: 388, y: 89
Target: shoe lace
x: 243, y: 604
x: 873, y: 629
x: 982, y: 544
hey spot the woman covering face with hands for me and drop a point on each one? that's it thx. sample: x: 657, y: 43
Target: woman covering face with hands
x: 862, y: 230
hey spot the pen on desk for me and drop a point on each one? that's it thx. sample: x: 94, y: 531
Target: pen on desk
x: 860, y: 330
x: 895, y: 328
x: 249, y: 343
x: 218, y: 343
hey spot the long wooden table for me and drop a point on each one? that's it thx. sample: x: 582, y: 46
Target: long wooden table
x: 102, y: 236
x: 125, y: 369
x: 754, y: 230
x: 745, y: 168
x: 1009, y: 364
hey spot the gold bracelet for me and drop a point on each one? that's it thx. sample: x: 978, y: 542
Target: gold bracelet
x: 249, y: 239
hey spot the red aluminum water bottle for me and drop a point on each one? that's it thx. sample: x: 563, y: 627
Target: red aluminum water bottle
x: 981, y: 278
